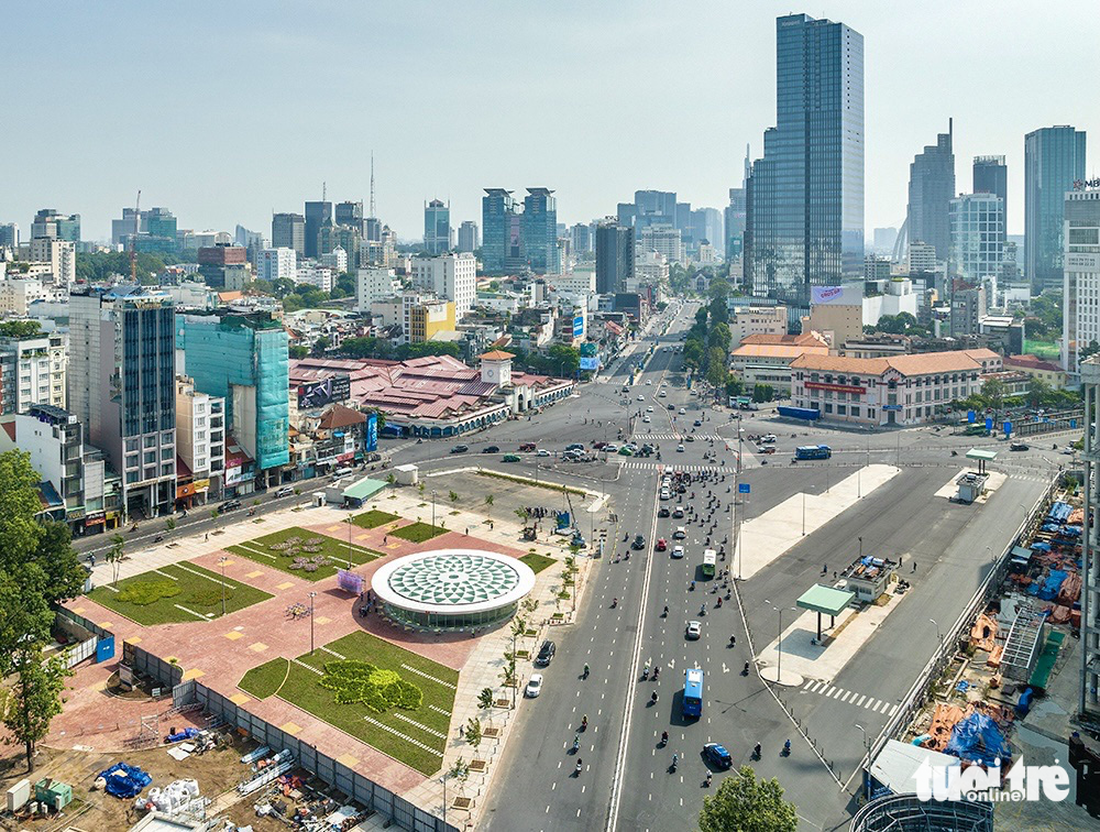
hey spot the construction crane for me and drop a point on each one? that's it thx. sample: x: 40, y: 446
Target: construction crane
x: 133, y: 240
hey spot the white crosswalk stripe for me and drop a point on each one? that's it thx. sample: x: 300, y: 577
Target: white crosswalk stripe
x: 850, y: 697
x: 631, y: 463
x: 699, y: 437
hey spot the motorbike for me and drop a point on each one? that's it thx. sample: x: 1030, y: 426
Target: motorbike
x: 653, y: 698
x: 158, y: 538
x: 579, y: 768
x: 664, y: 738
x: 614, y: 603
x: 787, y: 748
x: 756, y: 752
x: 675, y: 761
x: 745, y: 671
x: 576, y: 744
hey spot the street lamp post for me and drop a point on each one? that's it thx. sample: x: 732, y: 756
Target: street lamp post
x: 779, y: 644
x: 433, y: 507
x: 221, y: 563
x: 867, y: 749
x: 938, y: 633
x: 860, y: 548
x: 312, y: 595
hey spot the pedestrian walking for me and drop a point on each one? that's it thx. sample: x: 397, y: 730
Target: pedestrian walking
x: 914, y: 566
x: 207, y: 536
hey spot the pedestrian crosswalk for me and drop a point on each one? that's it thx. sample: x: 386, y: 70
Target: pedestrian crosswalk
x: 672, y: 466
x: 850, y: 697
x: 1031, y: 477
x: 676, y: 437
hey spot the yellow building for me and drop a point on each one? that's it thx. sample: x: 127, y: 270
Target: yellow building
x: 1034, y: 366
x: 426, y: 317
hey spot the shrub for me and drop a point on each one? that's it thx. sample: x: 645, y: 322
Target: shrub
x: 380, y: 690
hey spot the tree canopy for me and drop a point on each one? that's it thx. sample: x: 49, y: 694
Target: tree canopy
x: 19, y: 329
x: 744, y: 804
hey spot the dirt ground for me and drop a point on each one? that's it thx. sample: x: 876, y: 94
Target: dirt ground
x: 216, y: 771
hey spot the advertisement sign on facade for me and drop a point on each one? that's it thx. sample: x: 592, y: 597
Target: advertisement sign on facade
x: 578, y: 326
x: 834, y: 295
x: 590, y: 362
x: 837, y: 388
x: 336, y: 388
x: 372, y: 432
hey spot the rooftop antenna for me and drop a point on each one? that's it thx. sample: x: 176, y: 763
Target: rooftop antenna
x: 324, y: 190
x: 372, y: 214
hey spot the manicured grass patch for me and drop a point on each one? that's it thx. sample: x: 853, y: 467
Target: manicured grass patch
x: 537, y: 562
x: 484, y: 472
x: 418, y: 532
x: 358, y: 700
x: 308, y: 555
x: 373, y: 519
x: 265, y: 679
x: 177, y: 592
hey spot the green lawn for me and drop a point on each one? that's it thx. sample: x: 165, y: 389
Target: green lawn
x: 265, y: 679
x: 373, y: 519
x: 303, y: 689
x: 283, y: 549
x: 177, y: 592
x: 536, y: 562
x: 418, y: 532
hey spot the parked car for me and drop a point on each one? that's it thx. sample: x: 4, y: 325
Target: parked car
x: 229, y: 505
x: 285, y: 491
x: 638, y: 542
x: 534, y: 686
x: 490, y: 449
x: 546, y: 654
x: 460, y: 449
x: 717, y: 755
x: 694, y: 630
x: 343, y: 471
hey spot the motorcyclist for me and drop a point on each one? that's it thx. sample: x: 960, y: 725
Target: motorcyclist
x: 666, y: 610
x: 586, y: 670
x: 584, y: 719
x: 733, y: 641
x: 614, y: 603
x: 664, y: 737
x: 710, y: 776
x: 787, y: 747
x: 653, y: 698
x: 756, y: 750
x: 580, y: 765
x: 656, y: 670
x: 746, y: 671
x: 576, y: 741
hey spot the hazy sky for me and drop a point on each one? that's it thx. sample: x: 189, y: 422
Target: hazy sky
x: 225, y: 111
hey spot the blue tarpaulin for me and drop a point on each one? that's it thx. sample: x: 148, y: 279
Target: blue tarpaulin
x: 1049, y: 588
x: 977, y: 739
x: 185, y: 734
x: 1041, y: 547
x: 125, y: 781
x: 1059, y: 512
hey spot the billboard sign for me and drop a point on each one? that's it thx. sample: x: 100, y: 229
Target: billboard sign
x: 743, y: 488
x: 578, y: 326
x: 335, y: 388
x: 590, y: 362
x: 372, y: 432
x: 826, y: 294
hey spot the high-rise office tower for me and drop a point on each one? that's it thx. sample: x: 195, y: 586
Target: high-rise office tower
x: 931, y: 189
x: 804, y: 223
x: 1054, y: 158
x: 121, y: 378
x: 977, y: 237
x: 289, y: 231
x: 468, y: 236
x: 49, y: 223
x: 317, y: 215
x: 581, y: 236
x: 350, y: 214
x: 653, y: 208
x: 498, y: 212
x: 735, y: 222
x: 1080, y: 277
x: 991, y: 177
x: 614, y: 256
x: 9, y: 235
x: 437, y: 227
x: 540, y: 231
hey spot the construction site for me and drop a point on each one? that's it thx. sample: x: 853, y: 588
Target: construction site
x: 1006, y: 683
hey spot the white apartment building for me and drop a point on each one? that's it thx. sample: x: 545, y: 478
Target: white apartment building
x: 650, y: 269
x: 375, y: 283
x: 200, y: 439
x: 922, y: 257
x: 323, y: 277
x: 450, y: 276
x: 32, y: 371
x: 580, y: 281
x: 277, y: 264
x: 1080, y: 277
x: 757, y: 320
x: 663, y: 239
x: 60, y: 254
x: 16, y: 293
x: 336, y: 259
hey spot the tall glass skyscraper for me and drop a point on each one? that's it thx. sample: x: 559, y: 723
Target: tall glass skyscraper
x: 931, y: 189
x: 1054, y: 158
x: 991, y: 177
x: 438, y: 235
x: 540, y: 230
x: 804, y: 223
x: 498, y: 209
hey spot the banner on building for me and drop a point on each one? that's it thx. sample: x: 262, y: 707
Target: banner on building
x: 826, y: 294
x: 372, y: 432
x: 590, y: 362
x: 335, y: 388
x: 578, y: 326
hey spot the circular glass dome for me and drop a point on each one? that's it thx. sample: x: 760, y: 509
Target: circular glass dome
x: 452, y: 589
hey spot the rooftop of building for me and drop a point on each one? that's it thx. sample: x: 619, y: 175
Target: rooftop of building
x: 916, y: 364
x: 779, y: 350
x: 1031, y: 362
x: 811, y: 339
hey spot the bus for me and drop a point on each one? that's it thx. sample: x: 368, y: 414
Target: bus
x: 813, y: 452
x: 693, y: 692
x: 710, y: 560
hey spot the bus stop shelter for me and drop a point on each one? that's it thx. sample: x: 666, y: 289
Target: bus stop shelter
x: 982, y: 457
x: 827, y: 600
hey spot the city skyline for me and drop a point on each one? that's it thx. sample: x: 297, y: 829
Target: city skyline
x: 214, y: 168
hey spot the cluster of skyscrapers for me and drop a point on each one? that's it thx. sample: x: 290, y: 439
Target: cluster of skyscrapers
x: 513, y: 239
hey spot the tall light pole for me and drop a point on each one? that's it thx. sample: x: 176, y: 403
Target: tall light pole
x: 938, y: 633
x: 312, y: 595
x: 779, y: 644
x: 221, y: 563
x: 349, y: 542
x: 867, y: 748
x: 433, y: 507
x: 860, y: 548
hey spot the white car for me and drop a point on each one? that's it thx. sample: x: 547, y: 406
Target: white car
x: 680, y: 447
x: 662, y: 394
x: 641, y: 398
x: 680, y: 533
x: 682, y: 412
x: 649, y: 381
x: 646, y: 419
x: 694, y: 630
x: 534, y: 686
x: 542, y: 452
x: 677, y: 551
x: 649, y: 409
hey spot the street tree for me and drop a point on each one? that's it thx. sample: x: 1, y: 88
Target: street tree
x: 452, y: 496
x: 34, y: 700
x: 744, y: 804
x: 473, y: 732
x: 485, y: 699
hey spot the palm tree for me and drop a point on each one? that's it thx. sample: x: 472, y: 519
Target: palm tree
x: 489, y: 510
x: 114, y: 556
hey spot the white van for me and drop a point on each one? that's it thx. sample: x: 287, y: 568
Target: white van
x: 343, y: 471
